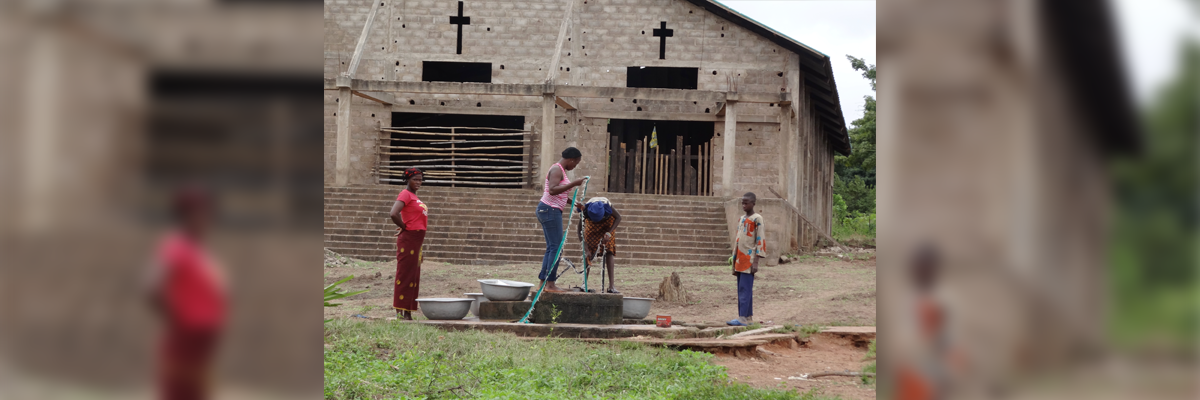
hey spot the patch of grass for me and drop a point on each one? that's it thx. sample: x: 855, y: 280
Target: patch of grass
x: 867, y: 380
x: 379, y: 359
x: 814, y: 394
x: 809, y: 330
x: 869, y: 369
x: 805, y: 329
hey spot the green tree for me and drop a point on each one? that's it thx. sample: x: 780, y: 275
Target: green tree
x: 861, y: 161
x: 854, y: 177
x: 859, y: 197
x: 1153, y: 254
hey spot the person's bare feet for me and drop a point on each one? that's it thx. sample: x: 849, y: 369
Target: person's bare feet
x: 405, y: 315
x: 551, y: 287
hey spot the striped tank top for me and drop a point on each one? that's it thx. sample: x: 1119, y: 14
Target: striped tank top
x: 559, y: 200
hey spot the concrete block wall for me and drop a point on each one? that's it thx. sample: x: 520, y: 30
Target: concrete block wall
x: 758, y: 158
x: 590, y: 136
x: 779, y: 224
x: 366, y: 118
x: 604, y: 38
x: 518, y: 38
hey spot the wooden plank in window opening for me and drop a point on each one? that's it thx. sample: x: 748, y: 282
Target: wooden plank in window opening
x: 689, y: 173
x: 612, y: 164
x: 699, y: 166
x: 637, y: 167
x: 621, y: 168
x: 629, y: 172
x: 679, y: 160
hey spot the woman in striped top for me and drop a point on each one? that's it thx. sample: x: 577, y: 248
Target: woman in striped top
x: 550, y: 209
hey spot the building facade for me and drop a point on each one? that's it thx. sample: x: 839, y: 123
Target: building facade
x: 487, y: 93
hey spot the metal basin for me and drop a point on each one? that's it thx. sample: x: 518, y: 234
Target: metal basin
x: 445, y: 308
x: 478, y: 298
x: 504, y: 290
x: 635, y: 307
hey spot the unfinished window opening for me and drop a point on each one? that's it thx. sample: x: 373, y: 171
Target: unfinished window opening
x: 221, y: 129
x: 449, y: 71
x: 456, y: 150
x: 661, y: 77
x: 680, y: 165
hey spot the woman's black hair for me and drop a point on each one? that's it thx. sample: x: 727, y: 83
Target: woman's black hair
x: 572, y: 152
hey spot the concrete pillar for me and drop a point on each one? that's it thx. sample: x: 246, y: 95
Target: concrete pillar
x: 730, y: 146
x: 341, y: 175
x: 549, y: 155
x: 791, y: 113
x: 786, y: 155
x: 43, y: 129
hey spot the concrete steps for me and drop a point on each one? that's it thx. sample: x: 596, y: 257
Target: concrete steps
x: 490, y: 226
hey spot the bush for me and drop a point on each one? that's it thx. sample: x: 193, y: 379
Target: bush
x: 333, y: 292
x: 850, y: 227
x: 859, y: 197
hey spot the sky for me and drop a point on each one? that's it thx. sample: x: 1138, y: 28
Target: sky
x: 1149, y: 32
x: 845, y: 27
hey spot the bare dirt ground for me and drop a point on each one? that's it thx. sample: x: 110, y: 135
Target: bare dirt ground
x: 822, y: 354
x: 825, y: 291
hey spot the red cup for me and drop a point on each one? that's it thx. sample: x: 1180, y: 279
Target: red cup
x: 663, y: 321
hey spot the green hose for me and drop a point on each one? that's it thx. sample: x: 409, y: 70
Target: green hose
x: 558, y: 252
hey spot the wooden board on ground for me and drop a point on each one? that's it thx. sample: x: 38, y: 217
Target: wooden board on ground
x: 691, y: 344
x: 756, y: 331
x: 723, y: 330
x: 860, y: 336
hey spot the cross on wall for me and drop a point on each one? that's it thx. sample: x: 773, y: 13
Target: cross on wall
x: 460, y: 20
x: 663, y: 33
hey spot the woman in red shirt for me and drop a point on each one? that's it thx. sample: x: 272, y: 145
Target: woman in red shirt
x: 410, y: 216
x: 188, y: 289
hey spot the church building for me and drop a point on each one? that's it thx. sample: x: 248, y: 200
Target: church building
x: 672, y: 102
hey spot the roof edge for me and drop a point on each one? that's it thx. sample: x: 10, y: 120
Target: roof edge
x: 751, y: 24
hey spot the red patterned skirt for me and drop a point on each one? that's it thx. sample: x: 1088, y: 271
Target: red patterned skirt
x: 408, y: 270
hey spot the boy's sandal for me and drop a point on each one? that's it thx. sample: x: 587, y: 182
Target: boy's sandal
x: 613, y: 291
x: 735, y: 323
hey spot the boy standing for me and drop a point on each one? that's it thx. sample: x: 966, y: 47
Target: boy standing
x: 749, y: 246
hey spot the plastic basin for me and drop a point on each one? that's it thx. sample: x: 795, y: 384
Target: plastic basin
x: 445, y: 308
x: 504, y: 290
x: 478, y: 298
x: 636, y: 307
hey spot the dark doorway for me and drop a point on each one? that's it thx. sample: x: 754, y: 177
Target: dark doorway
x: 449, y: 71
x: 457, y: 150
x: 661, y: 77
x: 678, y: 136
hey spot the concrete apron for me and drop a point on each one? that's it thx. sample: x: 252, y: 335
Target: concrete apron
x: 570, y: 307
x: 567, y: 330
x: 726, y: 340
